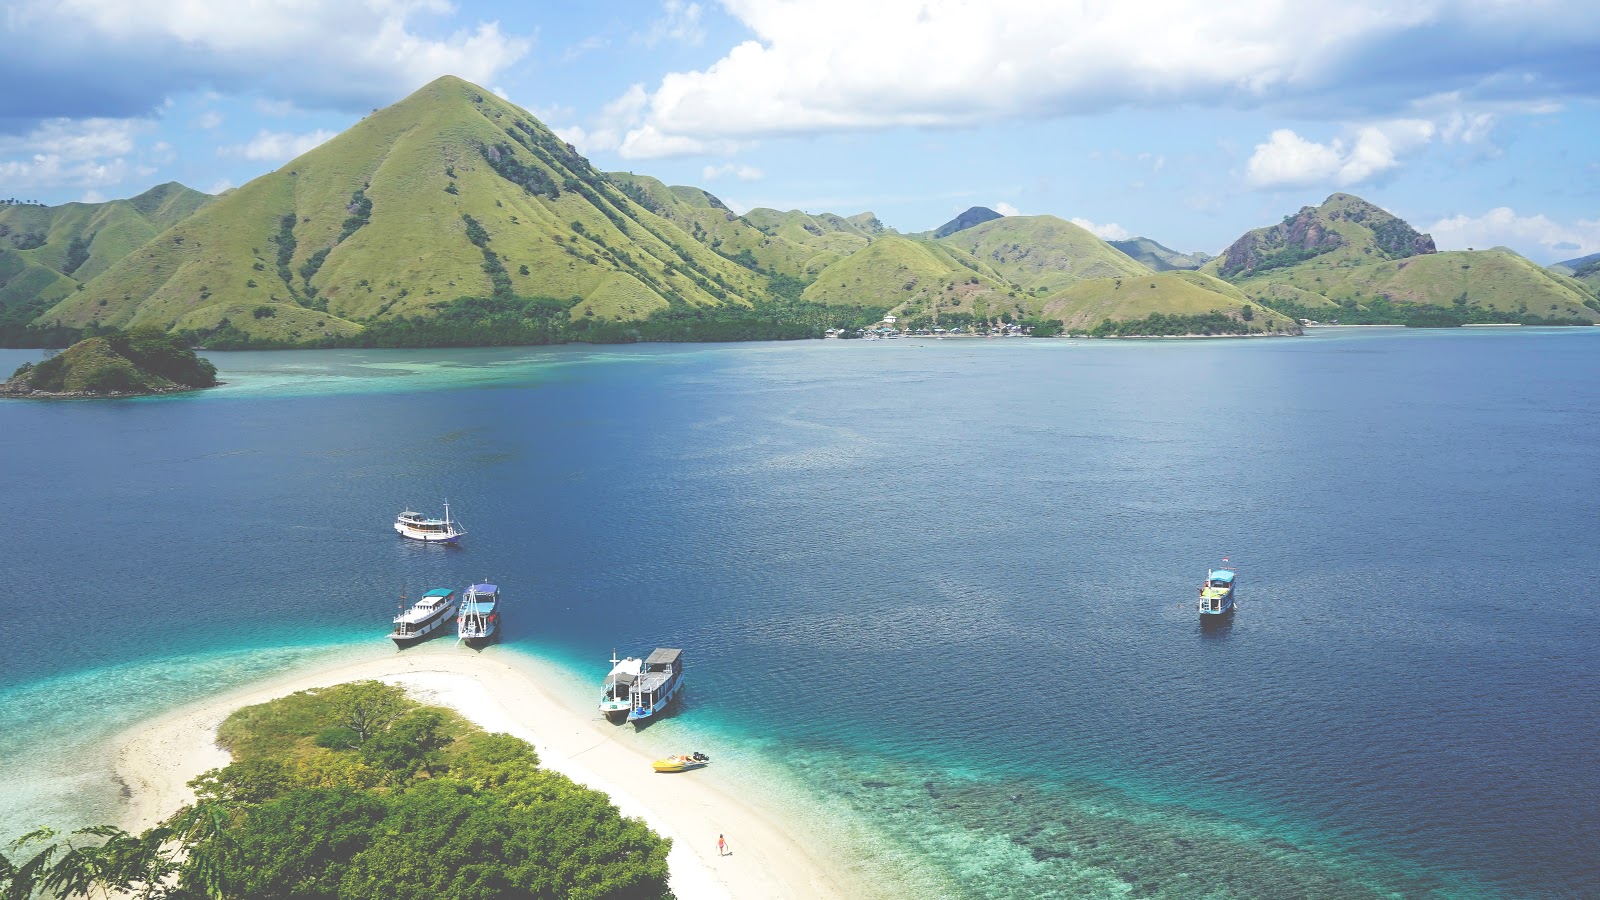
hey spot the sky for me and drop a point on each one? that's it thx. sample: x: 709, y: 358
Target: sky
x: 1188, y: 122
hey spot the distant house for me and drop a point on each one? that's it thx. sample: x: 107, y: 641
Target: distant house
x: 888, y: 320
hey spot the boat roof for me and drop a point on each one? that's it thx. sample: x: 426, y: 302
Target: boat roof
x: 485, y: 589
x: 1222, y: 575
x: 663, y: 656
x: 439, y: 592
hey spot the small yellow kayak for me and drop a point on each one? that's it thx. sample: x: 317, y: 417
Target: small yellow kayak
x: 683, y: 762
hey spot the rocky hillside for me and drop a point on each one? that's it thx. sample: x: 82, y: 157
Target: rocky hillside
x: 1351, y: 261
x: 976, y: 215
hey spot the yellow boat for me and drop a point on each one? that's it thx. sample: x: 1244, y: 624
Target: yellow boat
x: 683, y: 762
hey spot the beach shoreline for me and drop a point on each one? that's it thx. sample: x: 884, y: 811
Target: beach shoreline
x: 507, y: 692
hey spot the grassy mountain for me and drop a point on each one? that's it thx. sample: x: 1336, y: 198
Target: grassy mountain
x: 1041, y: 254
x: 710, y: 222
x: 1157, y: 257
x: 450, y: 193
x: 1584, y: 269
x: 826, y: 236
x: 47, y: 251
x: 1180, y: 302
x: 976, y: 215
x: 898, y: 273
x: 1350, y: 260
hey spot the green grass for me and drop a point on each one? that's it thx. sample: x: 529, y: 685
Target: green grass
x: 906, y: 275
x: 1041, y: 254
x: 1086, y: 304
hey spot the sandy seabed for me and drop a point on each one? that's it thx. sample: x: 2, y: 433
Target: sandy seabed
x: 507, y: 693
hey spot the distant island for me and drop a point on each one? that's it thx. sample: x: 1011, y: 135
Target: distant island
x: 129, y: 363
x: 454, y: 218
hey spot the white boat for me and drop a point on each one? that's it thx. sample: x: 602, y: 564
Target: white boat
x: 418, y: 527
x: 616, y: 697
x: 424, y: 617
x: 479, y: 618
x: 657, y: 685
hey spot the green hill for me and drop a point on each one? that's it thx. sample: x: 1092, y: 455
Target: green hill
x: 451, y: 193
x: 1350, y: 260
x: 906, y: 276
x: 1041, y: 254
x: 141, y: 361
x: 47, y: 251
x: 1585, y: 270
x: 1158, y: 257
x: 1168, y: 303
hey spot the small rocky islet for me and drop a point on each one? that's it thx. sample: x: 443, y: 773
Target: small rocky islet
x: 133, y: 363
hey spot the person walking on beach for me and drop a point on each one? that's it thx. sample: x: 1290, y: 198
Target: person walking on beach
x: 722, y: 845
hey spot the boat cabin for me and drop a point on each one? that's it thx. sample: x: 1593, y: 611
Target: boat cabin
x: 1220, y: 578
x: 619, y: 686
x: 658, y: 680
x: 419, y: 522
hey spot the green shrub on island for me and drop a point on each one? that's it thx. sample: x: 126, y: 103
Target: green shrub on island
x: 144, y: 360
x: 1172, y: 325
x: 358, y: 792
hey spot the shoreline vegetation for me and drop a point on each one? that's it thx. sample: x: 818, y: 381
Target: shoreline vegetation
x: 420, y: 774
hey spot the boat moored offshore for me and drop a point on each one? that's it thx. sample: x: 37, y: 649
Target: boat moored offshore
x: 479, y: 619
x: 657, y: 685
x: 1216, y: 594
x: 418, y: 527
x: 616, y: 697
x: 424, y: 617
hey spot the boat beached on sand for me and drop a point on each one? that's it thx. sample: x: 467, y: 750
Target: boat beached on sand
x: 616, y: 697
x: 418, y: 527
x: 479, y: 619
x: 682, y: 762
x: 424, y: 617
x: 1216, y: 594
x: 657, y: 684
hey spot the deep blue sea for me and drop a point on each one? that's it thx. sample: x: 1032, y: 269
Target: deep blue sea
x: 943, y: 589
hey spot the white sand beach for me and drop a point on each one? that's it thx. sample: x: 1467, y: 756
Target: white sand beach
x: 503, y: 693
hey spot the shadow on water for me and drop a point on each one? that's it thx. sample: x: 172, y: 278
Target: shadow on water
x: 1217, y: 627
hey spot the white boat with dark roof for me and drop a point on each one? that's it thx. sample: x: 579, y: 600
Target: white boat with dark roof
x: 616, y: 697
x: 424, y: 617
x: 658, y: 684
x: 418, y: 527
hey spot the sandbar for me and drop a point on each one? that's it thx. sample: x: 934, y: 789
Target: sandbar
x: 503, y: 692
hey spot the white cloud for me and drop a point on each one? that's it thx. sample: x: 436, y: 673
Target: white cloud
x: 1288, y: 160
x: 351, y: 55
x: 679, y: 21
x: 1006, y: 209
x: 92, y: 196
x: 1110, y: 231
x: 743, y: 173
x: 83, y: 153
x: 221, y: 186
x: 276, y: 146
x: 826, y: 65
x: 1537, y: 236
x: 208, y: 119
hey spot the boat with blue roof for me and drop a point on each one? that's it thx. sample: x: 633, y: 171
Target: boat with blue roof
x: 479, y: 619
x: 1216, y: 594
x: 425, y: 617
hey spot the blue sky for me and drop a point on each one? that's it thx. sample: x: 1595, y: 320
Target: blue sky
x: 1184, y: 121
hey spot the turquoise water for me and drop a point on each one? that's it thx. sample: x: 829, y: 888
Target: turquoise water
x: 939, y: 591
